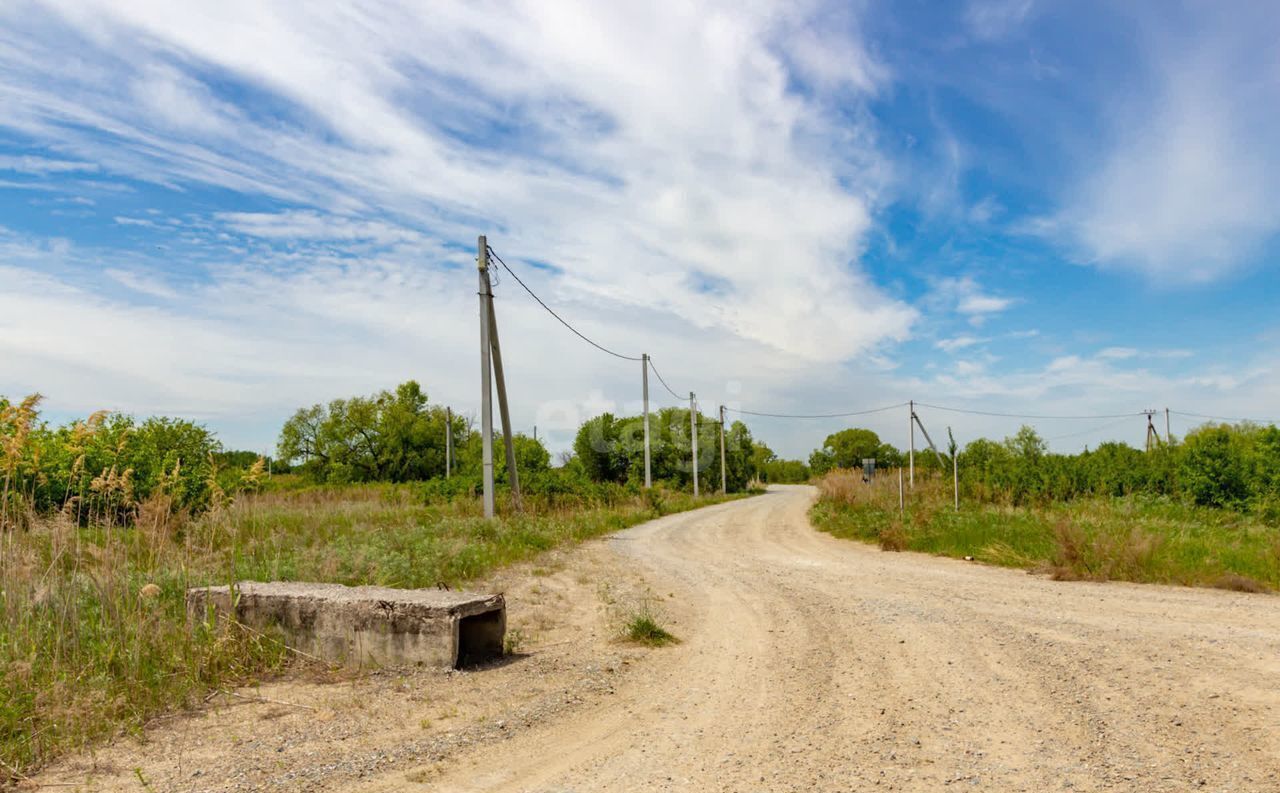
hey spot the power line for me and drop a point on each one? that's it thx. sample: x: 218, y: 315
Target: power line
x: 654, y: 369
x: 1101, y: 428
x: 817, y: 415
x: 1024, y: 415
x: 562, y: 320
x: 1221, y: 418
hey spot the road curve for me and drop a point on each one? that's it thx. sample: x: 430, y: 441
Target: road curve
x: 810, y: 663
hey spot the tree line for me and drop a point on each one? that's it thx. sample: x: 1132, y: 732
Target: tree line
x: 1233, y: 466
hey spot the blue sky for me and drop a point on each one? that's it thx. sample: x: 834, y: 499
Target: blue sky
x: 227, y: 211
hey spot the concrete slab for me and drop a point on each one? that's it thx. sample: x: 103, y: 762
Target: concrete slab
x: 366, y: 625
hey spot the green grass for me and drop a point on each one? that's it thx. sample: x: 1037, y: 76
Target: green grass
x: 1151, y: 540
x: 644, y: 629
x: 89, y: 650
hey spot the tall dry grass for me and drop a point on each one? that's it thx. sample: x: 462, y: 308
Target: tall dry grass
x: 93, y: 634
x: 94, y: 637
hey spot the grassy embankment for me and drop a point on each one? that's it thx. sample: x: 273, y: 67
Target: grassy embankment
x: 94, y: 638
x: 1144, y: 539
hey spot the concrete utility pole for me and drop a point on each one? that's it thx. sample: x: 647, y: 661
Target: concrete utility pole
x: 902, y: 501
x: 1168, y: 436
x: 448, y: 442
x: 955, y: 479
x: 1153, y: 437
x: 486, y: 384
x: 911, y: 455
x: 693, y: 438
x: 644, y: 380
x: 941, y: 466
x: 724, y: 480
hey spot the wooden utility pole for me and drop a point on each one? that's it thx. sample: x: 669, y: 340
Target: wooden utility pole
x: 448, y: 442
x: 486, y: 375
x: 1168, y: 436
x: 911, y: 454
x: 724, y: 477
x: 644, y: 381
x: 693, y: 439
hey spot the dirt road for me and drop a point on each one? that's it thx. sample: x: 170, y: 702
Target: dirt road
x: 809, y: 663
x: 816, y: 664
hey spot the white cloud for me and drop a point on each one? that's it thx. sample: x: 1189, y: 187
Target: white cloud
x: 966, y: 296
x: 659, y: 148
x: 42, y: 165
x: 957, y: 343
x: 142, y: 283
x: 1117, y: 353
x: 994, y: 19
x: 1185, y: 186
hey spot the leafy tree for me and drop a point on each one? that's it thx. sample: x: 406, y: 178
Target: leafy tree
x: 849, y: 447
x: 390, y: 436
x: 1212, y: 469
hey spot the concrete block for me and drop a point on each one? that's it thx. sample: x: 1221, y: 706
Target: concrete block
x: 366, y: 625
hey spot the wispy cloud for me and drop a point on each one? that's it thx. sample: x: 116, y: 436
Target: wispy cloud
x: 1117, y: 353
x: 966, y: 296
x: 957, y: 343
x: 29, y: 164
x: 992, y: 19
x: 1185, y: 187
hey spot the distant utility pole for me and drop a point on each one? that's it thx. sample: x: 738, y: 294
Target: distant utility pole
x: 1153, y: 437
x: 1168, y: 436
x: 955, y: 479
x: 448, y: 442
x: 644, y: 379
x: 724, y: 477
x: 693, y: 436
x: 911, y: 455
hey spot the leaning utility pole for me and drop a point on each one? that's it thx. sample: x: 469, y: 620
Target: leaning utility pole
x: 1153, y: 437
x: 644, y: 379
x: 508, y: 437
x: 693, y: 436
x: 724, y: 480
x: 448, y: 442
x: 486, y: 374
x: 911, y: 455
x: 941, y: 465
